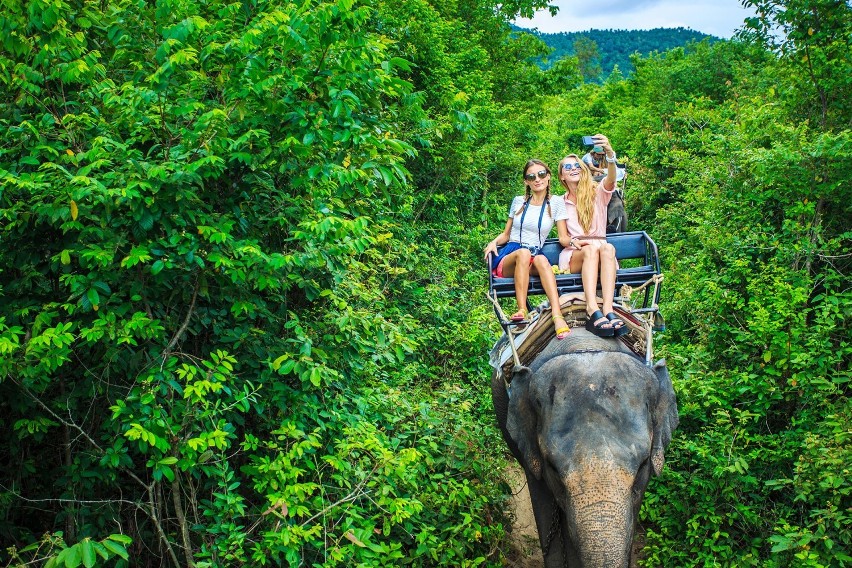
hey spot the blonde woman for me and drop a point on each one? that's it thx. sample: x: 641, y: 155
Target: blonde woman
x: 588, y: 252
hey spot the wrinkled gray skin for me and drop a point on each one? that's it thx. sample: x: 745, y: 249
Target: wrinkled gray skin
x: 589, y: 422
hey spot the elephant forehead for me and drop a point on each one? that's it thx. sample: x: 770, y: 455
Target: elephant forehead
x: 593, y: 410
x: 595, y: 377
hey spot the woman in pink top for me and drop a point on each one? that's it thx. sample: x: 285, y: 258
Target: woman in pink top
x: 588, y: 252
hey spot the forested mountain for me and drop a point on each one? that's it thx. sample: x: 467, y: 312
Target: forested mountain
x: 615, y: 47
x: 243, y: 318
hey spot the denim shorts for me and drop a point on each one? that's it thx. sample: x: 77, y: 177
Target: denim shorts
x: 511, y: 247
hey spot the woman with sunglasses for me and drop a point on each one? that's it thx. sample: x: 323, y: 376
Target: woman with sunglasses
x: 531, y: 217
x: 588, y: 252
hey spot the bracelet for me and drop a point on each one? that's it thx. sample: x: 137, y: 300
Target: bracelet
x: 611, y: 160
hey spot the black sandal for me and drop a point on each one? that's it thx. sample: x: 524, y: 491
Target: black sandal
x: 619, y: 330
x: 596, y: 326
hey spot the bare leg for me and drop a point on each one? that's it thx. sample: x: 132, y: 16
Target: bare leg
x: 542, y: 267
x: 608, y: 268
x: 589, y: 275
x: 587, y: 261
x: 518, y: 263
x: 607, y: 260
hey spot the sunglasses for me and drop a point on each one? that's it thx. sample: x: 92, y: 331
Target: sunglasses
x: 541, y: 175
x: 568, y: 166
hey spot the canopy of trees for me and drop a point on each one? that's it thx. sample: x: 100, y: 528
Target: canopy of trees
x: 615, y: 47
x: 242, y: 309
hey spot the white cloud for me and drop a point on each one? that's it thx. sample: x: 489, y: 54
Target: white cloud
x: 720, y: 18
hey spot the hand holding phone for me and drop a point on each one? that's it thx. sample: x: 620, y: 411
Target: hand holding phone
x: 588, y: 140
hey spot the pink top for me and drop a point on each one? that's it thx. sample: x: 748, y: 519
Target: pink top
x: 598, y: 228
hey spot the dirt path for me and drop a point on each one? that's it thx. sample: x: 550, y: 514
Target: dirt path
x: 526, y: 552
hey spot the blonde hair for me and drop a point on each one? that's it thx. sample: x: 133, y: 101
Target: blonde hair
x: 585, y: 192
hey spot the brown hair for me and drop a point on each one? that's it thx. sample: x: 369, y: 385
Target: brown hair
x: 528, y: 192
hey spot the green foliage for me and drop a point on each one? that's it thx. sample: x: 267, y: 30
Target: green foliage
x: 390, y: 483
x: 812, y: 40
x: 53, y: 550
x: 242, y: 316
x: 588, y: 56
x: 563, y: 76
x: 210, y: 326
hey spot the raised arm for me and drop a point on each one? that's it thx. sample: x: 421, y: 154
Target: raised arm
x: 609, y: 180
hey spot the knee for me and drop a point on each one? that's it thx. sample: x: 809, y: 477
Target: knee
x: 608, y: 251
x: 524, y: 256
x: 541, y: 262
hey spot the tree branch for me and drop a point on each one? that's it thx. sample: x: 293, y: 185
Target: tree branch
x: 183, y: 326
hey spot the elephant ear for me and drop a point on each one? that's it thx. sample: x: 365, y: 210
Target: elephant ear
x: 665, y: 417
x: 522, y: 423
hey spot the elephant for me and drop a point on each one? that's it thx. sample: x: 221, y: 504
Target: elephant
x: 589, y: 421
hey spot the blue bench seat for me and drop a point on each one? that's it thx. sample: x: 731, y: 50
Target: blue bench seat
x: 638, y: 259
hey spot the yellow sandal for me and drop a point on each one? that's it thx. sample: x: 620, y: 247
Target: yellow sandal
x: 563, y: 331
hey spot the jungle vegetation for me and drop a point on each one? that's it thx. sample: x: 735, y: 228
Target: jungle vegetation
x: 242, y: 298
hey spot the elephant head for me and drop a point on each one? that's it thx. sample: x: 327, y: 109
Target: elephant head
x: 589, y: 422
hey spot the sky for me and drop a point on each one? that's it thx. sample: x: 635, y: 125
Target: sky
x: 720, y: 18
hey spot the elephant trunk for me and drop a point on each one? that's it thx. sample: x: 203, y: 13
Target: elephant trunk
x: 604, y: 535
x: 602, y: 511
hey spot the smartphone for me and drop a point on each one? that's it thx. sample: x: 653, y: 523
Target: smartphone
x: 588, y: 141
